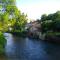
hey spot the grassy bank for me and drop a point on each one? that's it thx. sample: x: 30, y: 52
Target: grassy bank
x: 2, y: 43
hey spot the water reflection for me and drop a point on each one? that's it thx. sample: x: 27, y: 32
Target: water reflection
x: 18, y: 48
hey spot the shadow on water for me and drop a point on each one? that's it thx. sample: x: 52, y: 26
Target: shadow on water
x: 18, y: 48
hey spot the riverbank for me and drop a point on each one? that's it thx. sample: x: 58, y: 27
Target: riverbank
x: 2, y: 43
x: 3, y: 57
x: 49, y: 36
x: 21, y: 34
x: 33, y: 35
x: 53, y: 37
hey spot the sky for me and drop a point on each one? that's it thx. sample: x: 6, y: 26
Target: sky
x: 35, y: 8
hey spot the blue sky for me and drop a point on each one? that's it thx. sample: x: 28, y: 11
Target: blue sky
x: 35, y: 8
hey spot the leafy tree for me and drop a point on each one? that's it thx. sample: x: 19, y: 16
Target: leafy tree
x: 43, y: 17
x: 51, y: 22
x: 21, y: 20
x: 12, y: 17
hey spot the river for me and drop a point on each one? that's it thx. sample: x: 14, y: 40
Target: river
x: 18, y: 48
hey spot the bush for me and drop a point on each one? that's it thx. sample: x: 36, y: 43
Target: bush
x: 2, y: 43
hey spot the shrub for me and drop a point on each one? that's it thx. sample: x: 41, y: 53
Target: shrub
x: 2, y: 43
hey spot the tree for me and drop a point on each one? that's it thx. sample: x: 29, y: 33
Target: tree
x: 12, y: 17
x: 51, y: 22
x: 43, y: 17
x: 19, y: 25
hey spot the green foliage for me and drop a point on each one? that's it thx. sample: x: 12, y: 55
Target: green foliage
x: 19, y: 25
x: 2, y: 39
x: 2, y: 43
x: 43, y: 17
x: 12, y: 17
x: 51, y: 22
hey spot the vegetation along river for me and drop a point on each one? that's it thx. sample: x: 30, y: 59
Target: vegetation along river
x: 18, y: 48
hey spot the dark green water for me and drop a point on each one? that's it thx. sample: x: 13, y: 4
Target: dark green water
x: 18, y: 48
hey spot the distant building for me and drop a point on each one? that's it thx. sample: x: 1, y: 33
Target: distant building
x: 33, y: 26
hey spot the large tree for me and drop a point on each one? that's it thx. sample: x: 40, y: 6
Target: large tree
x: 51, y: 22
x: 12, y: 17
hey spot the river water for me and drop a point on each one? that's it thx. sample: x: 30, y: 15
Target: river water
x: 18, y: 48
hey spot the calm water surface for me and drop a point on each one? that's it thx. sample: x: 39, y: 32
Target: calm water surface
x: 18, y: 48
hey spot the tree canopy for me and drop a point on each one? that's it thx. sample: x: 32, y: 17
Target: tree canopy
x: 51, y: 22
x: 11, y: 17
